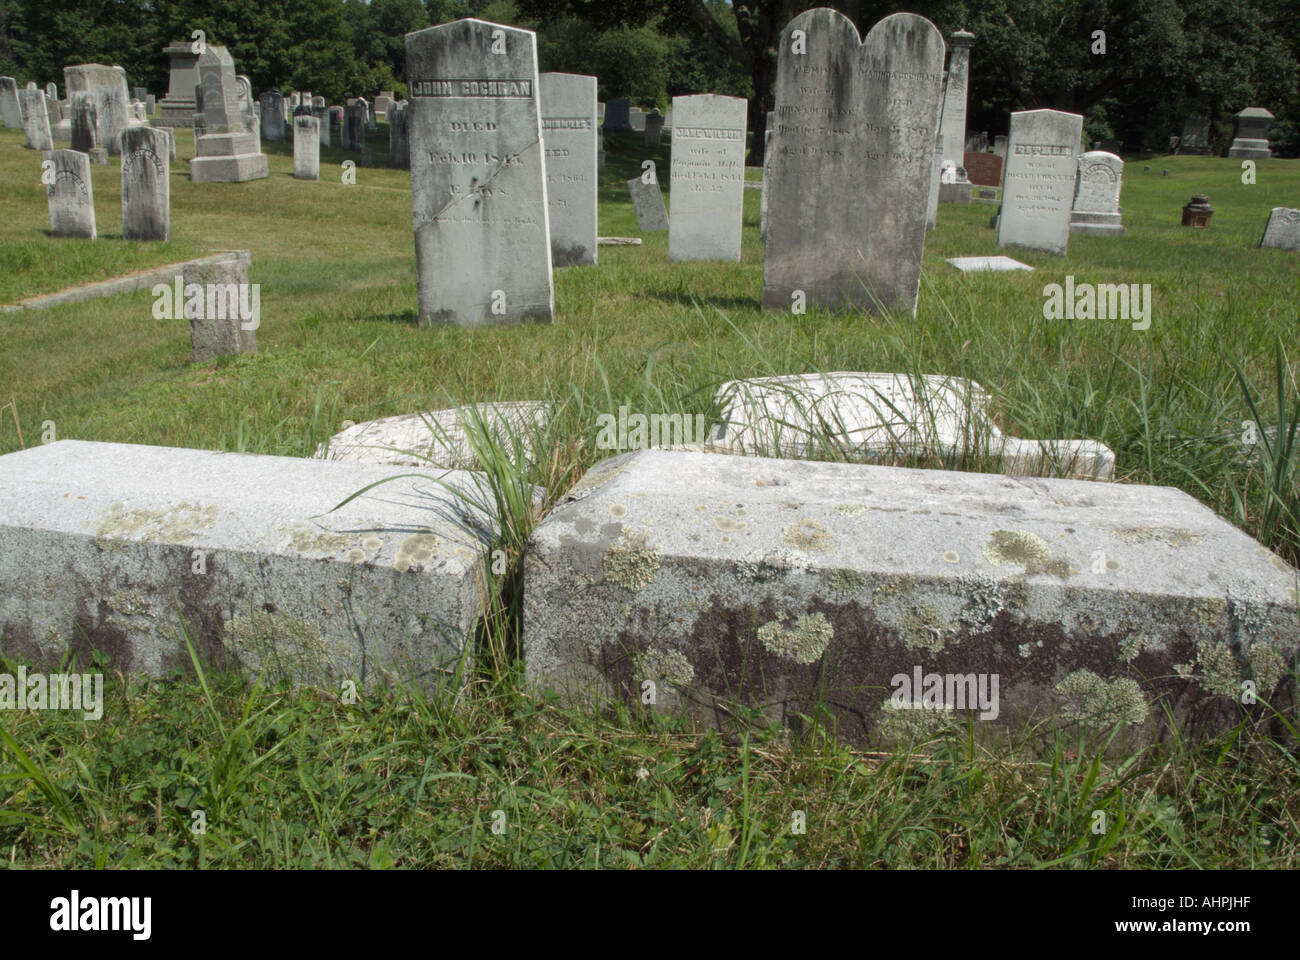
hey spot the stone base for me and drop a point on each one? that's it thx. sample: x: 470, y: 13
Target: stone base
x: 175, y: 113
x: 1101, y: 224
x: 954, y: 193
x: 234, y: 169
x: 1250, y: 149
x: 61, y: 131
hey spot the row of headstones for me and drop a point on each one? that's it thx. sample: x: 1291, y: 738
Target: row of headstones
x: 32, y: 110
x: 1249, y: 136
x: 146, y: 191
x: 348, y: 124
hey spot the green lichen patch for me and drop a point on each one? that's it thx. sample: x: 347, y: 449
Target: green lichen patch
x: 1097, y: 702
x: 803, y: 642
x: 665, y: 665
x: 1268, y: 665
x: 1029, y: 550
x: 899, y: 724
x: 372, y: 543
x: 951, y: 556
x: 417, y: 550
x: 808, y: 535
x: 924, y: 627
x: 1173, y: 536
x: 846, y: 582
x: 312, y: 541
x: 179, y: 524
x: 728, y: 524
x: 356, y: 555
x: 852, y: 510
x: 618, y: 510
x: 1220, y: 673
x: 631, y: 563
x: 1132, y: 645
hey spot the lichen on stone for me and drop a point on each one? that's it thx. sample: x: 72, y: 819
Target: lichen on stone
x: 417, y: 550
x: 179, y: 524
x: 1173, y: 536
x: 951, y: 556
x: 631, y: 563
x: 1132, y: 645
x: 1029, y: 550
x: 808, y: 535
x: 1220, y: 673
x: 665, y: 665
x: 803, y: 642
x: 899, y: 724
x: 279, y: 645
x: 1268, y: 665
x: 1097, y: 702
x: 312, y: 541
x: 846, y: 581
x: 924, y: 627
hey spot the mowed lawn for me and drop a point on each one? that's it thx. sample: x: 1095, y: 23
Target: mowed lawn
x: 308, y: 781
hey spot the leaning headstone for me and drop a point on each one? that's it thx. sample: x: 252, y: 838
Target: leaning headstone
x: 1196, y: 136
x: 399, y: 136
x: 1282, y: 230
x: 1096, y: 195
x: 146, y: 192
x: 568, y: 104
x: 861, y: 114
x: 708, y: 177
x: 10, y: 110
x: 354, y: 127
x: 654, y: 128
x: 272, y: 116
x: 616, y: 115
x: 217, y: 322
x: 1250, y: 136
x: 227, y: 152
x: 36, y: 122
x: 306, y: 148
x: 478, y: 175
x: 176, y: 109
x: 648, y: 201
x: 1038, y: 186
x: 83, y: 130
x: 71, y: 196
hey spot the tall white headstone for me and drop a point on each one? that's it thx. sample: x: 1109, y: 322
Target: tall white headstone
x: 569, y: 133
x: 707, y: 188
x: 1038, y: 183
x: 306, y: 147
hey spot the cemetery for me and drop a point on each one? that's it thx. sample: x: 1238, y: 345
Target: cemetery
x: 305, y: 407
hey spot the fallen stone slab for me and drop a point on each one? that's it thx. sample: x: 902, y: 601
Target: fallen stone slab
x: 891, y: 600
x: 437, y: 438
x: 986, y: 264
x: 618, y: 241
x: 119, y: 548
x: 884, y: 418
x: 141, y: 280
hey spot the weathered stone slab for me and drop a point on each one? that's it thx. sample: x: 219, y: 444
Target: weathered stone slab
x: 862, y: 115
x: 112, y: 100
x: 1096, y: 195
x: 707, y: 178
x: 887, y: 418
x: 983, y: 169
x: 438, y: 438
x: 146, y: 184
x: 322, y: 116
x: 654, y: 129
x: 225, y: 320
x: 648, y: 201
x: 83, y: 133
x: 273, y: 115
x: 354, y: 126
x: 1038, y: 187
x: 36, y: 122
x: 982, y: 264
x: 952, y: 126
x: 399, y: 137
x: 71, y: 196
x: 478, y: 181
x: 226, y: 152
x: 1282, y: 230
x: 617, y: 117
x: 793, y: 586
x: 11, y: 110
x: 119, y: 547
x: 568, y: 104
x: 306, y: 148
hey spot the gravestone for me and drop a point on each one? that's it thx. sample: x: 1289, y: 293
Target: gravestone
x: 1096, y: 195
x: 36, y: 122
x: 112, y: 103
x: 150, y: 104
x: 318, y: 102
x: 399, y: 136
x: 478, y: 175
x: 384, y: 106
x: 953, y: 124
x: 216, y: 325
x: 306, y: 147
x: 171, y: 144
x: 71, y: 196
x: 1038, y: 187
x: 636, y: 118
x: 616, y: 115
x: 227, y: 152
x: 367, y: 113
x: 708, y: 177
x: 272, y: 116
x: 336, y: 124
x: 1282, y: 232
x: 1196, y: 136
x: 936, y: 166
x: 322, y: 116
x: 568, y: 104
x: 861, y: 114
x: 10, y: 110
x: 648, y: 201
x: 654, y: 128
x: 767, y: 157
x: 146, y: 189
x: 1000, y: 145
x: 1250, y: 136
x: 251, y: 121
x: 983, y: 169
x: 139, y: 93
x: 176, y: 109
x: 83, y: 134
x: 354, y: 126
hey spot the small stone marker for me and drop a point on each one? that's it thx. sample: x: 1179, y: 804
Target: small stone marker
x: 1038, y: 188
x: 83, y: 123
x: 1282, y: 231
x: 568, y: 104
x: 36, y: 122
x: 648, y: 201
x: 10, y: 109
x: 1096, y: 195
x: 217, y: 326
x: 860, y: 115
x: 981, y: 264
x: 272, y: 116
x: 478, y: 175
x: 399, y: 136
x: 146, y: 186
x: 708, y: 177
x: 71, y: 195
x: 306, y: 148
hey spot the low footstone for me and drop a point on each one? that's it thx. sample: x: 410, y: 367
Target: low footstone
x: 146, y: 184
x: 306, y: 147
x: 1282, y: 231
x: 216, y: 327
x: 793, y: 587
x: 987, y: 264
x: 648, y: 201
x: 71, y: 196
x: 133, y: 549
